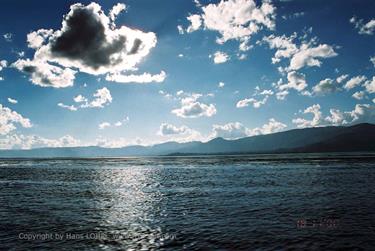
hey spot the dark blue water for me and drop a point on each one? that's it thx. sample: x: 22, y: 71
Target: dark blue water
x: 188, y: 203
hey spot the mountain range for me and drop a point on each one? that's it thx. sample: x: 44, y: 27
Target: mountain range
x: 355, y: 138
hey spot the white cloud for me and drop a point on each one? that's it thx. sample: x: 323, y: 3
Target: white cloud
x: 354, y: 81
x: 336, y: 117
x: 234, y: 19
x: 359, y: 95
x: 316, y: 120
x: 180, y: 29
x: 325, y: 86
x: 307, y: 54
x: 370, y: 85
x: 296, y: 81
x: 293, y: 16
x: 104, y: 125
x: 46, y: 75
x: 116, y: 10
x: 8, y: 37
x: 3, y: 64
x: 196, y: 22
x: 12, y: 101
x: 20, y: 141
x: 37, y: 38
x: 169, y: 129
x: 281, y: 95
x: 237, y: 130
x: 80, y: 99
x: 220, y: 57
x: 233, y: 130
x: 179, y: 133
x: 119, y: 123
x: 192, y: 108
x: 285, y: 46
x: 101, y: 97
x: 272, y: 126
x: 372, y: 60
x: 266, y: 92
x: 68, y: 107
x: 341, y: 78
x: 361, y: 113
x: 221, y: 84
x: 9, y: 119
x: 143, y: 78
x: 256, y: 103
x: 362, y: 27
x: 89, y: 42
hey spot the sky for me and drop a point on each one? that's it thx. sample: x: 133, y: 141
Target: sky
x: 113, y: 74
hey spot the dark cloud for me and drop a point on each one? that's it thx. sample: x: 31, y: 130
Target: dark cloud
x: 83, y: 38
x: 88, y: 41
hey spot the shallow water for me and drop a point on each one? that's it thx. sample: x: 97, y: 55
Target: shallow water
x: 188, y: 203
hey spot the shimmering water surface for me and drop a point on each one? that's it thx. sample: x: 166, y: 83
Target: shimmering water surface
x: 188, y: 203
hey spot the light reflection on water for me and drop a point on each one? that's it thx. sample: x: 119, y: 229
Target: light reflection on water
x: 132, y: 207
x: 207, y: 203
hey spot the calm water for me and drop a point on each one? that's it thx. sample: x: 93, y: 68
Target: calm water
x: 186, y: 203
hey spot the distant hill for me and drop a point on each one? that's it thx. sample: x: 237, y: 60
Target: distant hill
x: 357, y: 138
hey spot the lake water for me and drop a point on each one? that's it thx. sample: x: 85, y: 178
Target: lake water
x: 189, y: 203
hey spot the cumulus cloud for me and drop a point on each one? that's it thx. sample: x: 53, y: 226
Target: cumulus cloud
x: 315, y: 121
x: 143, y: 78
x: 272, y: 126
x: 296, y: 81
x: 361, y: 113
x: 237, y: 130
x: 234, y: 19
x: 325, y: 86
x: 192, y: 108
x: 306, y: 54
x: 220, y: 57
x: 119, y: 123
x: 104, y: 125
x: 370, y: 85
x: 100, y: 98
x: 89, y: 42
x: 372, y: 60
x: 359, y: 95
x: 37, y: 38
x: 341, y: 78
x: 12, y: 100
x: 180, y: 29
x: 281, y: 95
x: 233, y: 130
x: 169, y: 129
x: 354, y: 82
x: 8, y: 37
x: 364, y: 28
x: 116, y: 10
x: 68, y: 107
x: 251, y: 101
x: 221, y: 84
x: 196, y: 22
x: 179, y: 133
x: 3, y: 64
x: 20, y: 141
x: 9, y: 119
x: 46, y: 75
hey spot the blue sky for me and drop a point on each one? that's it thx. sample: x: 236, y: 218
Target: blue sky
x: 181, y: 70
